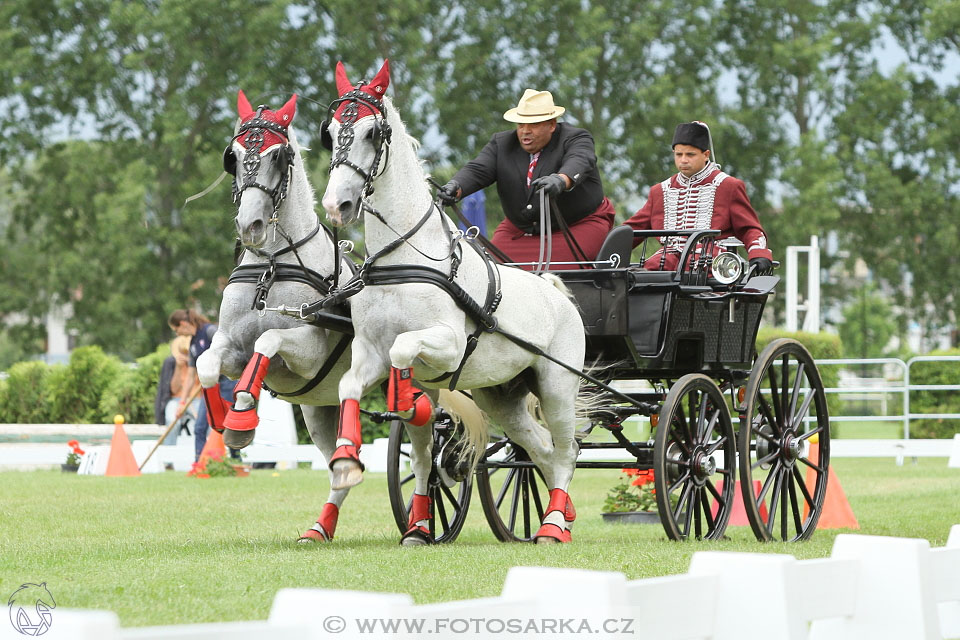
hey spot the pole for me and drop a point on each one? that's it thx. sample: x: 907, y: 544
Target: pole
x: 170, y: 426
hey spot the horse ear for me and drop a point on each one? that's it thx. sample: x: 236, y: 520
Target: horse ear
x: 381, y: 81
x: 343, y: 83
x: 243, y: 106
x: 288, y: 110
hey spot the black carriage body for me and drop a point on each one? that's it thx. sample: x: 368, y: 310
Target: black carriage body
x: 647, y: 324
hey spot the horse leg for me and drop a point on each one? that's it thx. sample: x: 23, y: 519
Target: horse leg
x: 297, y: 347
x: 440, y: 347
x: 421, y: 463
x: 322, y: 425
x: 366, y: 369
x: 557, y: 392
x: 209, y: 365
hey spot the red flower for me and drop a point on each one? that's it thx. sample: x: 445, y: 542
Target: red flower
x: 73, y: 443
x: 78, y: 451
x: 643, y: 477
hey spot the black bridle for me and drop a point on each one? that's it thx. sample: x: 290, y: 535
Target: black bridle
x: 256, y: 130
x: 381, y: 135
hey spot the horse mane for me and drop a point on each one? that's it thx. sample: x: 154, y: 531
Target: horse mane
x: 399, y: 129
x: 300, y: 186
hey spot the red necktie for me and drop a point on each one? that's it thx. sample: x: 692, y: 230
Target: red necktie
x: 533, y: 163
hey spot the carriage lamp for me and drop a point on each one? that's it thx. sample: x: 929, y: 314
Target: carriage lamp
x: 727, y: 267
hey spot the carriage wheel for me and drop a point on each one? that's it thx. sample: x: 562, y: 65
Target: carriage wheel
x: 784, y: 408
x: 450, y: 483
x: 513, y: 497
x: 694, y: 457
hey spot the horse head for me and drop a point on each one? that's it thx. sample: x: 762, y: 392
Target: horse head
x: 260, y: 157
x: 357, y: 134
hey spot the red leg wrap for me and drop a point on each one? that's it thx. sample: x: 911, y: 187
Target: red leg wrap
x: 349, y: 429
x: 326, y: 524
x: 421, y: 509
x: 422, y: 410
x: 400, y: 389
x: 216, y: 407
x: 560, y: 504
x: 251, y: 380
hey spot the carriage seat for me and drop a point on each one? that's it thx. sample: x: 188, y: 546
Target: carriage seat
x: 618, y: 242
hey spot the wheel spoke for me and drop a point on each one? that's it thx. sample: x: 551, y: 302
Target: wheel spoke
x: 454, y: 502
x: 775, y: 397
x: 768, y: 415
x: 801, y: 415
x: 803, y: 488
x: 784, y: 499
x: 795, y: 394
x: 407, y: 479
x: 695, y: 505
x: 707, y: 512
x: 716, y: 494
x: 679, y: 481
x: 810, y: 433
x: 441, y: 511
x: 784, y: 388
x: 515, y: 502
x: 704, y: 425
x: 716, y: 445
x: 765, y: 459
x: 682, y: 417
x: 807, y: 462
x: 688, y: 513
x: 771, y: 479
x: 675, y: 428
x: 511, y: 475
x: 536, y: 497
x: 795, y: 506
x: 525, y: 498
x: 774, y: 499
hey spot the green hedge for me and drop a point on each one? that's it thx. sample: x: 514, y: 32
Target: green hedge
x: 23, y: 395
x: 935, y: 401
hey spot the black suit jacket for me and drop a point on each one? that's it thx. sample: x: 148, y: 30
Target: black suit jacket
x: 570, y: 151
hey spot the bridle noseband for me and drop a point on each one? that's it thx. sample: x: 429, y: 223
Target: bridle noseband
x: 382, y: 133
x: 256, y: 130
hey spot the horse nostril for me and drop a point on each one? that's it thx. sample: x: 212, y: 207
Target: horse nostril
x: 256, y: 227
x: 346, y: 207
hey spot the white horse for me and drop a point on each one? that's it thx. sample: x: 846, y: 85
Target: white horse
x: 416, y: 324
x: 277, y: 227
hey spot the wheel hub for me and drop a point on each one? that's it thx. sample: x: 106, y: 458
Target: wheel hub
x: 791, y: 448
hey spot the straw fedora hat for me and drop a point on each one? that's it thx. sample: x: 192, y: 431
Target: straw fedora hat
x: 534, y: 106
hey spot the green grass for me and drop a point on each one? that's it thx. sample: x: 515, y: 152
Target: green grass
x: 166, y: 549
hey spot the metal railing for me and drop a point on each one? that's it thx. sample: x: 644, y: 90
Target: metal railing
x: 903, y: 388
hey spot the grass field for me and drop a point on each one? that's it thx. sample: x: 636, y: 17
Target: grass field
x: 166, y: 549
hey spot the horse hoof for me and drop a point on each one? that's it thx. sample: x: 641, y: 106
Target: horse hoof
x: 345, y: 474
x: 547, y: 540
x: 413, y: 541
x: 237, y: 439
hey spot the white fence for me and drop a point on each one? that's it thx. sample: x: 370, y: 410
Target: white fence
x: 871, y: 587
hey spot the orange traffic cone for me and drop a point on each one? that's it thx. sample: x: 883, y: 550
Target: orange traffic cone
x: 121, y: 461
x: 738, y: 513
x: 837, y: 513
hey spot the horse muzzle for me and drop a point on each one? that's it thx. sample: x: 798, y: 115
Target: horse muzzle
x: 253, y: 235
x: 343, y: 213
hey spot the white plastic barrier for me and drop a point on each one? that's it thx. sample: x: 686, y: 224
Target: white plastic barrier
x: 871, y: 587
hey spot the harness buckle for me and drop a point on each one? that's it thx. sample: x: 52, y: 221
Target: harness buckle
x: 472, y: 233
x: 346, y: 246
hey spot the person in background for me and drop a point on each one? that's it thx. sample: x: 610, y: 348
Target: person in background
x: 541, y: 153
x: 200, y: 331
x: 171, y: 390
x: 475, y: 211
x: 700, y: 196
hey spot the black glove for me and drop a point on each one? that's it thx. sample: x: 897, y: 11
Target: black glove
x: 761, y: 266
x: 449, y: 193
x: 552, y: 184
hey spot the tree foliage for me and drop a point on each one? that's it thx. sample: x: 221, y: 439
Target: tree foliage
x: 115, y: 112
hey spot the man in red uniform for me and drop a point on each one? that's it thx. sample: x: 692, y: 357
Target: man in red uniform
x: 540, y: 154
x: 700, y: 196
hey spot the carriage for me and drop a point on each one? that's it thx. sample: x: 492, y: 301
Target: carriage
x: 674, y: 347
x: 683, y: 344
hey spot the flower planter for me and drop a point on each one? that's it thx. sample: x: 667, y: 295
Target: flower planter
x: 69, y: 468
x: 632, y: 517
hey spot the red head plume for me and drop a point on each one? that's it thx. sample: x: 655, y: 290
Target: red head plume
x: 283, y: 117
x: 376, y: 88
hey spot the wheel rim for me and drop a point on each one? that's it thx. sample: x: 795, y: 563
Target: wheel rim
x: 784, y: 408
x: 449, y: 490
x: 513, y: 494
x: 694, y: 460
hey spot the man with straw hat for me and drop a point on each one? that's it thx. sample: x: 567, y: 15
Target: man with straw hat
x: 540, y: 154
x: 700, y: 196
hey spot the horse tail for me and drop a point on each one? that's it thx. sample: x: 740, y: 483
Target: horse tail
x: 591, y: 399
x: 558, y: 284
x: 473, y: 421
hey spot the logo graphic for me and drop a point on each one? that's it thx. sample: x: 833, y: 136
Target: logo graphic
x: 30, y: 607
